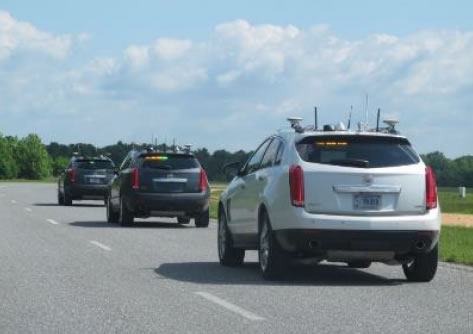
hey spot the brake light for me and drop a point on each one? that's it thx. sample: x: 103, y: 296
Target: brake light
x: 72, y: 175
x: 203, y: 180
x: 296, y: 185
x: 135, y: 179
x: 430, y: 189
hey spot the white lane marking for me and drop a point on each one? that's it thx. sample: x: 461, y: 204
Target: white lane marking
x: 52, y: 221
x: 28, y: 210
x: 229, y: 306
x: 13, y: 201
x: 100, y: 245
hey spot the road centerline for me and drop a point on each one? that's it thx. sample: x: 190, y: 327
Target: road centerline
x: 100, y: 245
x: 229, y: 306
x: 52, y: 221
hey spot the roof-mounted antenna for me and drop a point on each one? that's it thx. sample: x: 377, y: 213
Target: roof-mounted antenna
x: 296, y: 123
x: 187, y: 148
x: 391, y: 123
x: 315, y: 119
x: 366, y: 110
x: 377, y: 120
x: 349, y: 118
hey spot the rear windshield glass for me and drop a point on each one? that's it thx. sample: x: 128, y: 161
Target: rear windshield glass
x: 357, y: 151
x: 94, y: 164
x: 169, y: 162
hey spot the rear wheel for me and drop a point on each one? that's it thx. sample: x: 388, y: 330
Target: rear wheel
x: 67, y: 199
x: 202, y: 220
x: 423, y: 267
x: 271, y: 259
x: 183, y: 220
x: 60, y: 198
x: 227, y: 254
x: 112, y: 216
x: 126, y: 216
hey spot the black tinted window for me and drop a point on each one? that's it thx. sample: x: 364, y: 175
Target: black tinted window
x: 357, y: 151
x: 255, y: 160
x: 270, y: 155
x: 94, y: 164
x: 169, y: 161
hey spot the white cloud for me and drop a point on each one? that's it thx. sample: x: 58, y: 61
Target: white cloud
x: 138, y: 56
x: 22, y: 36
x: 242, y: 72
x: 169, y: 49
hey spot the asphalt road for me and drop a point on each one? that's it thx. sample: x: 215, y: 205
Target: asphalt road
x: 66, y: 270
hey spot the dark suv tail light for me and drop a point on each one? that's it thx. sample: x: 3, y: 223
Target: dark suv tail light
x: 135, y: 179
x: 296, y: 185
x: 203, y: 180
x: 72, y: 175
x: 430, y: 189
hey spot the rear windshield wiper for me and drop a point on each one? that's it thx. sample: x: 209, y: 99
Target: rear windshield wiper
x: 350, y: 162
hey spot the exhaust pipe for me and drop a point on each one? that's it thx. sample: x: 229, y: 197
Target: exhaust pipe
x: 420, y: 245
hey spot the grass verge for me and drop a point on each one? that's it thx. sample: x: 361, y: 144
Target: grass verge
x: 456, y: 244
x: 451, y: 202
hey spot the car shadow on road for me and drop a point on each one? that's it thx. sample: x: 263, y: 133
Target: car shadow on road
x: 104, y: 224
x: 84, y: 205
x: 248, y: 274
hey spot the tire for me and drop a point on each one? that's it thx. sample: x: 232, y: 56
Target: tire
x: 126, y: 216
x: 359, y: 264
x: 227, y: 254
x: 202, y: 220
x: 67, y: 199
x: 112, y: 216
x: 60, y: 198
x: 423, y: 267
x: 272, y: 261
x: 183, y: 220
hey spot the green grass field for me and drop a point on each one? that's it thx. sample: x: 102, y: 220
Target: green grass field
x: 456, y: 244
x: 451, y: 202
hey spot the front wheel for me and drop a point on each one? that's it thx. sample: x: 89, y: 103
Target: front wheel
x: 202, y: 220
x: 423, y: 267
x: 271, y: 259
x: 126, y: 216
x: 227, y: 254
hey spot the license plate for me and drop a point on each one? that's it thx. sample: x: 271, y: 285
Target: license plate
x: 367, y: 202
x: 95, y: 180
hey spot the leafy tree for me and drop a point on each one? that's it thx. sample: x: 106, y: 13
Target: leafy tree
x: 8, y: 167
x: 32, y: 158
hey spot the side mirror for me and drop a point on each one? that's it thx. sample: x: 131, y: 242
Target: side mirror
x: 232, y: 169
x: 115, y: 171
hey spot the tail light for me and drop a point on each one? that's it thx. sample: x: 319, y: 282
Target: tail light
x: 296, y: 185
x: 203, y: 180
x: 430, y: 189
x: 135, y: 179
x: 72, y: 175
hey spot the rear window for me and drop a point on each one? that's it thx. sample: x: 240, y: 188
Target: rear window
x: 94, y: 164
x: 357, y: 151
x: 169, y: 162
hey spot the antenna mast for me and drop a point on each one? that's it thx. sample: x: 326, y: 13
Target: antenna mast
x: 366, y: 116
x: 349, y: 118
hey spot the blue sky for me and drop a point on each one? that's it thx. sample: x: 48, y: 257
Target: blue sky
x: 202, y: 71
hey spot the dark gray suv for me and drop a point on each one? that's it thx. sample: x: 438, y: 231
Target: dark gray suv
x: 85, y: 178
x: 157, y: 184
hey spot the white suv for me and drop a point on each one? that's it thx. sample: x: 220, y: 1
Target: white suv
x: 341, y: 196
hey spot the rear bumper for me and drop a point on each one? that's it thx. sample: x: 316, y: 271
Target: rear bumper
x: 168, y: 205
x: 88, y: 191
x: 322, y: 242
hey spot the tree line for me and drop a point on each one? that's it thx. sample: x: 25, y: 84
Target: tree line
x: 29, y: 158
